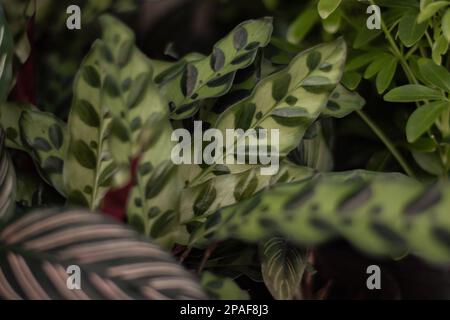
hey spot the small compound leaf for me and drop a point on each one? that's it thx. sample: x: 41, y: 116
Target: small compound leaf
x: 412, y: 93
x: 423, y: 118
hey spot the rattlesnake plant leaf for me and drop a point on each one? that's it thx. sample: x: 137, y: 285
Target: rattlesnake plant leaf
x: 46, y: 139
x: 126, y: 90
x: 89, y: 167
x: 289, y: 100
x: 6, y: 55
x: 213, y: 75
x: 153, y: 203
x: 43, y: 136
x: 243, y: 85
x: 220, y: 288
x: 381, y: 214
x: 343, y: 102
x: 314, y: 152
x: 114, y: 262
x: 10, y: 114
x: 7, y: 182
x: 164, y: 71
x: 283, y: 265
x: 224, y: 190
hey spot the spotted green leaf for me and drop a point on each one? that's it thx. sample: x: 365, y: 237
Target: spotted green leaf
x: 89, y: 167
x: 243, y: 85
x: 126, y: 89
x: 220, y: 288
x: 224, y: 190
x: 343, y: 102
x: 165, y: 72
x: 9, y: 119
x: 381, y: 214
x: 289, y: 100
x: 213, y: 75
x: 46, y: 139
x: 283, y: 265
x: 153, y: 203
x: 302, y: 25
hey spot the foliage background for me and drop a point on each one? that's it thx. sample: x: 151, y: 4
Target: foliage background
x: 168, y: 30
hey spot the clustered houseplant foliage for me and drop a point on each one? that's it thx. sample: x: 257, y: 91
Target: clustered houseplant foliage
x: 224, y: 222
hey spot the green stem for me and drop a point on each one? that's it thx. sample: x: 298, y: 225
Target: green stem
x: 387, y: 142
x: 397, y: 52
x: 411, y: 51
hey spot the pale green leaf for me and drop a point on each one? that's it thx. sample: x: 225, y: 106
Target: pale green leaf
x: 302, y: 25
x: 360, y: 60
x: 439, y: 48
x: 351, y: 80
x: 412, y: 93
x: 333, y: 22
x: 380, y: 61
x: 429, y: 162
x: 327, y: 7
x: 430, y: 10
x: 446, y: 25
x: 46, y: 138
x: 386, y: 75
x: 423, y: 118
x: 435, y: 74
x: 409, y: 30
